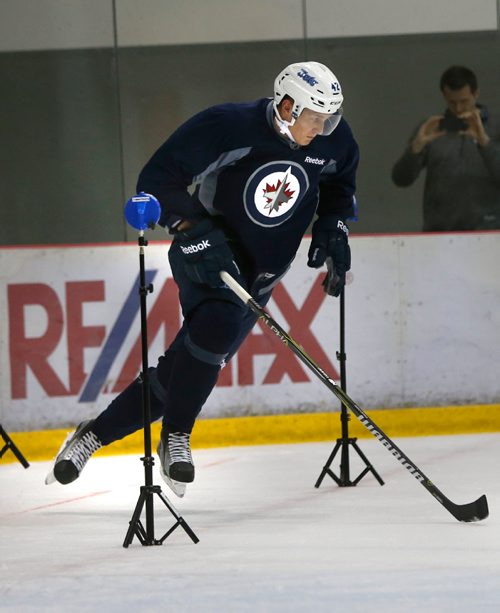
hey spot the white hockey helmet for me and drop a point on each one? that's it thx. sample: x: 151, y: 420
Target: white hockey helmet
x: 312, y: 86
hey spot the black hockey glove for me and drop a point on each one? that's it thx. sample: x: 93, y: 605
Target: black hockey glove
x: 206, y: 252
x: 329, y: 244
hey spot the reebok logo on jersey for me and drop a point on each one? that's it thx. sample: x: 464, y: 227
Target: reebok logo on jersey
x: 318, y: 161
x: 195, y: 248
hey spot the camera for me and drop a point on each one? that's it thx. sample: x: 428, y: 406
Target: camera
x: 451, y: 123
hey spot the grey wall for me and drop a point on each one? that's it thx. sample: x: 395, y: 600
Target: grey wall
x: 78, y: 124
x: 60, y: 156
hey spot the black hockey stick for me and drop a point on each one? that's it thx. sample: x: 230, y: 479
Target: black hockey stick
x: 472, y: 511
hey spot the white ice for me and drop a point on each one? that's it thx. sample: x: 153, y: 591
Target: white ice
x: 269, y: 540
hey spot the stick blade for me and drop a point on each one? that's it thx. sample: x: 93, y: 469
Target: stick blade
x: 473, y: 511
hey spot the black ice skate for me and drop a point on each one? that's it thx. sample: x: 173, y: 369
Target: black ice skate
x: 74, y: 454
x: 176, y: 462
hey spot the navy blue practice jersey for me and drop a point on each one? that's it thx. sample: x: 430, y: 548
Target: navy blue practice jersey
x: 264, y: 189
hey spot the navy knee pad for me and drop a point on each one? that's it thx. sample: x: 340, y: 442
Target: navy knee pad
x: 214, y: 326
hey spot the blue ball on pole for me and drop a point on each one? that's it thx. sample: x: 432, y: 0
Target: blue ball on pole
x: 142, y: 211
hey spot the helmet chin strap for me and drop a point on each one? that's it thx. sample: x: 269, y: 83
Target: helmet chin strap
x: 284, y: 126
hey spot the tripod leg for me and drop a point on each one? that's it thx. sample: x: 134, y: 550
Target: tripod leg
x: 136, y: 527
x: 326, y: 468
x: 369, y: 467
x: 9, y: 444
x: 180, y: 521
x: 344, y: 480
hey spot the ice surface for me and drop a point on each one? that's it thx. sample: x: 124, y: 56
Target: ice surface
x: 269, y: 540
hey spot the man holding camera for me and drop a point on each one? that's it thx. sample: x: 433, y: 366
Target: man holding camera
x: 461, y: 153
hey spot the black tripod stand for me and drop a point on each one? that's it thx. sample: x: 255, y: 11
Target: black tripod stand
x: 344, y: 480
x: 9, y: 444
x: 146, y: 534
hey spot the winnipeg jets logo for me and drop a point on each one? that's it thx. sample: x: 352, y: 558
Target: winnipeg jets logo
x: 274, y: 191
x: 278, y: 194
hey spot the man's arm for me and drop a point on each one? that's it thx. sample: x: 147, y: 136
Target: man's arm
x: 406, y: 170
x: 488, y: 145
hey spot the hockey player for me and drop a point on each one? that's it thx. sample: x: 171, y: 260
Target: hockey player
x: 262, y: 171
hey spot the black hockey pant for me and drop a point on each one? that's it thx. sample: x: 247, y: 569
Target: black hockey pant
x: 215, y: 324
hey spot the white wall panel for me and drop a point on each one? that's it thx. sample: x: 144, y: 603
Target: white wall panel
x: 422, y: 328
x: 156, y: 22
x: 450, y: 304
x: 334, y: 18
x: 27, y: 25
x: 73, y: 24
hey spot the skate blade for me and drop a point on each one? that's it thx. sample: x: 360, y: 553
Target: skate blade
x: 177, y: 487
x: 51, y: 478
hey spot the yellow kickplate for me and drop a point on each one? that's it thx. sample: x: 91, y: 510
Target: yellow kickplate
x: 289, y: 428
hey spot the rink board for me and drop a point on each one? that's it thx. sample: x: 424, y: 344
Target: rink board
x: 422, y: 329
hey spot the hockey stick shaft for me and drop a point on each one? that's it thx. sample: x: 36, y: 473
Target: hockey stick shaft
x: 469, y: 512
